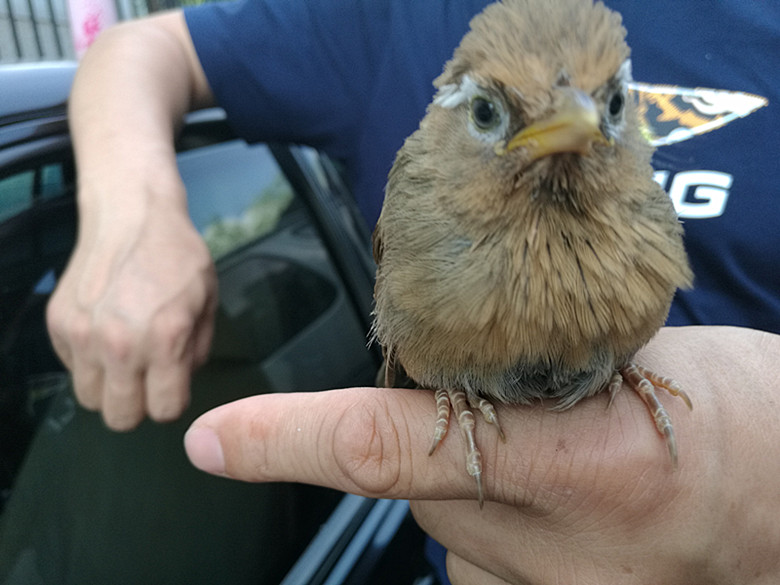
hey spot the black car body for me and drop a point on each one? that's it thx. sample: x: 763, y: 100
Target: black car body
x: 81, y: 504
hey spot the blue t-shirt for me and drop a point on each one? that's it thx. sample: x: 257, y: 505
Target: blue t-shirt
x: 353, y: 78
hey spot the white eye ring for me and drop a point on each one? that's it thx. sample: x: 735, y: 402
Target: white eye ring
x: 467, y: 92
x: 488, y: 119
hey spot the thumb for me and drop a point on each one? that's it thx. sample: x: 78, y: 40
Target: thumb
x: 368, y: 441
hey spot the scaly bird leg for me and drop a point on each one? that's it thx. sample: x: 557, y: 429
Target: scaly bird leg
x: 644, y: 383
x: 489, y: 414
x: 457, y: 398
x: 462, y: 407
x: 442, y: 419
x: 467, y: 425
x: 615, y: 384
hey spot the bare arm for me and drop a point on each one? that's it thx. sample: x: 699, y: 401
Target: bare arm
x: 133, y: 311
x: 131, y: 90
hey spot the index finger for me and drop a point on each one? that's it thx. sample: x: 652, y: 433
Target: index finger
x: 374, y: 442
x: 368, y: 441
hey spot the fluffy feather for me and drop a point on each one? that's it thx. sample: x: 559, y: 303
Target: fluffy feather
x: 511, y: 278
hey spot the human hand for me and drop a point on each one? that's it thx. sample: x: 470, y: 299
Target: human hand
x: 133, y: 312
x: 582, y: 496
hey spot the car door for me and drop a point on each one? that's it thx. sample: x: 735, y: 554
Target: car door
x: 81, y: 504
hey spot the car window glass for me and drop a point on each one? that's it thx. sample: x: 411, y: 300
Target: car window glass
x: 52, y: 181
x: 251, y: 193
x: 16, y: 193
x: 23, y: 187
x: 268, y: 258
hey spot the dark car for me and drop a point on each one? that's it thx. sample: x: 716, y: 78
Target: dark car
x: 81, y: 504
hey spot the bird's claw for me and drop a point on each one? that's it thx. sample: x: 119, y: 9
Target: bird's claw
x: 644, y: 383
x: 489, y: 413
x: 460, y: 404
x: 442, y: 419
x: 615, y: 384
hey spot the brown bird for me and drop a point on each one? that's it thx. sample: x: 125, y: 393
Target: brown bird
x: 524, y: 250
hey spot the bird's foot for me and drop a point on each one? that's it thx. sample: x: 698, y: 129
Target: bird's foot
x: 442, y: 419
x: 489, y: 414
x: 644, y: 383
x: 457, y: 401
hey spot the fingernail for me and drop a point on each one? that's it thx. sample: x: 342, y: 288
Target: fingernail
x: 204, y: 450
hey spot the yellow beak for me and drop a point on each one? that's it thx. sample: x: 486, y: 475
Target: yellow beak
x: 573, y: 128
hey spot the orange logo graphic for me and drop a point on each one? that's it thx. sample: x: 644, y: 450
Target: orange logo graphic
x: 670, y: 114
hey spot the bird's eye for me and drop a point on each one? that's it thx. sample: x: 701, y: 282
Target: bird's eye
x: 484, y: 113
x: 615, y: 106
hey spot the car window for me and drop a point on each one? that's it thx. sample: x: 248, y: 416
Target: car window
x: 37, y: 232
x: 80, y: 504
x: 16, y: 193
x: 248, y: 204
x: 22, y: 188
x: 52, y: 181
x: 269, y: 259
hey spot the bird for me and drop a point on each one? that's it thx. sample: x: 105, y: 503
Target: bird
x: 524, y: 252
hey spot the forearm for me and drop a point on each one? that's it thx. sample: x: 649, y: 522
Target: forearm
x: 131, y: 91
x: 133, y: 311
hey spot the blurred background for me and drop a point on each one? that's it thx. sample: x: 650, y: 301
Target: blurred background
x: 50, y: 30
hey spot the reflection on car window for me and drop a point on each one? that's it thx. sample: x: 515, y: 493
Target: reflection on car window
x: 52, y: 181
x: 269, y: 260
x: 16, y: 193
x: 20, y: 190
x: 252, y: 193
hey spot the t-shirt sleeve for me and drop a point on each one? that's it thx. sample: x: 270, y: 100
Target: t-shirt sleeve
x: 291, y: 70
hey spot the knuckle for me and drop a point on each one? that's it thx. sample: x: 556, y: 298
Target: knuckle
x: 171, y: 332
x: 367, y: 447
x: 117, y: 340
x: 68, y: 325
x: 79, y: 331
x: 88, y: 386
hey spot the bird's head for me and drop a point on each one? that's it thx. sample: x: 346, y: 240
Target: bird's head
x: 534, y: 104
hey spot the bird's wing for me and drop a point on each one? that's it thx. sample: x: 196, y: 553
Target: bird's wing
x: 376, y: 242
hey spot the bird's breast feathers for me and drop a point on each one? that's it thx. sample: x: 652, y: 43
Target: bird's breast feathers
x: 550, y: 290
